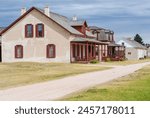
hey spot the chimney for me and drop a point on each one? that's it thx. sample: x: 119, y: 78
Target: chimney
x: 74, y: 18
x: 23, y: 11
x: 47, y: 11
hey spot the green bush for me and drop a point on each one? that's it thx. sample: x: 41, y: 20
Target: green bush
x: 108, y: 59
x: 94, y: 61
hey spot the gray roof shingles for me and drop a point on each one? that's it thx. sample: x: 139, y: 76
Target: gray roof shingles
x: 134, y: 43
x: 67, y: 23
x: 63, y: 21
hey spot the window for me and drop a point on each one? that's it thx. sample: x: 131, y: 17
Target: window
x: 129, y: 53
x: 18, y: 51
x: 29, y: 31
x: 39, y: 30
x: 51, y: 51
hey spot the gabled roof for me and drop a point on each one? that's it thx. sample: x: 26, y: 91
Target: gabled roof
x: 58, y: 19
x: 133, y: 43
x: 113, y: 44
x: 78, y: 23
x: 62, y: 21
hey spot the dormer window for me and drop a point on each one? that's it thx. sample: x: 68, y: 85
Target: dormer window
x: 40, y: 30
x: 29, y: 31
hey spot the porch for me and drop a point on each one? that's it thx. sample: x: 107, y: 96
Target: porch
x: 116, y: 52
x: 85, y: 50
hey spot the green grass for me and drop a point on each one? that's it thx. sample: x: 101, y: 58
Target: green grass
x: 134, y: 87
x: 126, y: 62
x: 17, y: 74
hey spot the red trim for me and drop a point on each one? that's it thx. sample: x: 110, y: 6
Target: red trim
x: 21, y: 17
x: 47, y: 51
x: 26, y: 31
x: 16, y: 48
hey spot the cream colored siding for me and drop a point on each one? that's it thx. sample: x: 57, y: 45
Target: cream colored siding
x: 35, y: 48
x: 131, y: 54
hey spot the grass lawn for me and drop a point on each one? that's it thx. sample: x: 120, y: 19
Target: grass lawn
x: 133, y: 87
x: 17, y: 74
x: 126, y: 62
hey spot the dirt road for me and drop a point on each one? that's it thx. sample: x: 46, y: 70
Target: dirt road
x: 56, y: 89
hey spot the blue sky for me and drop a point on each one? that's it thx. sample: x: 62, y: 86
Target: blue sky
x: 125, y: 18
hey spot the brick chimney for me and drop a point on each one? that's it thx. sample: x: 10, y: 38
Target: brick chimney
x: 47, y: 11
x: 23, y: 11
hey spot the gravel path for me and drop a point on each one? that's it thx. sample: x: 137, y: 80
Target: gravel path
x: 56, y: 89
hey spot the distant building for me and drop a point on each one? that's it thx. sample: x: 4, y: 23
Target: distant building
x: 148, y: 52
x: 114, y: 51
x: 134, y: 50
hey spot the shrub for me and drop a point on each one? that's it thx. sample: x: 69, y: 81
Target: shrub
x: 108, y: 59
x: 94, y: 61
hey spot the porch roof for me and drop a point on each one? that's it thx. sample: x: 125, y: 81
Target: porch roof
x: 114, y: 45
x: 80, y: 39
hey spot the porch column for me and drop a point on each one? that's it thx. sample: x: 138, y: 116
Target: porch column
x: 105, y: 50
x: 75, y: 50
x: 94, y: 50
x: 79, y: 51
x: 91, y: 51
x: 87, y: 52
x: 71, y: 52
x: 98, y: 53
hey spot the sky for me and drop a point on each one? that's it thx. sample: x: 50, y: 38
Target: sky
x: 125, y: 17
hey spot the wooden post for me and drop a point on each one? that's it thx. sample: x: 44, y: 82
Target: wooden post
x: 95, y: 51
x: 71, y: 53
x: 82, y: 51
x: 91, y: 51
x: 87, y: 52
x: 98, y: 53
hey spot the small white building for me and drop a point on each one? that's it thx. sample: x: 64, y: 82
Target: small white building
x: 134, y: 50
x: 148, y: 52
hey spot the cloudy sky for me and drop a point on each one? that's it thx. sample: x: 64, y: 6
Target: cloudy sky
x: 125, y: 17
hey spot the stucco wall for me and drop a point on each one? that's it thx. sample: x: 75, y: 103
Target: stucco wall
x: 35, y: 48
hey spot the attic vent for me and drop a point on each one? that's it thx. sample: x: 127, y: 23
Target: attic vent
x: 74, y: 18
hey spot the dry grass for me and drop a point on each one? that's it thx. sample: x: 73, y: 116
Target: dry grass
x: 17, y: 74
x: 134, y: 87
x: 126, y: 62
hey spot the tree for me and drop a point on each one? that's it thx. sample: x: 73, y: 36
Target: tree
x: 139, y: 39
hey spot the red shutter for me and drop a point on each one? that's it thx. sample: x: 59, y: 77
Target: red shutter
x: 26, y: 31
x: 42, y: 30
x: 21, y: 51
x: 47, y: 51
x: 32, y: 30
x: 36, y: 30
x: 15, y: 51
x: 54, y: 51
